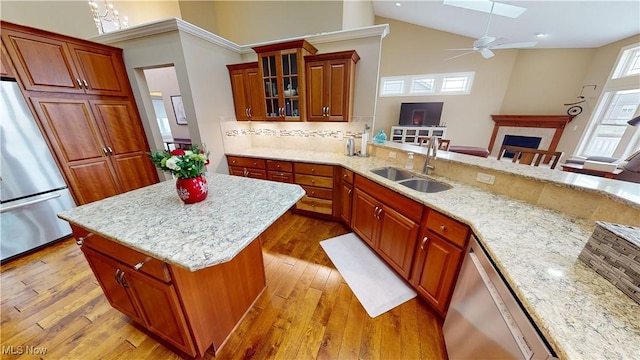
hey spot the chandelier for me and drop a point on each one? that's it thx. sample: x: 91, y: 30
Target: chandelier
x: 107, y: 19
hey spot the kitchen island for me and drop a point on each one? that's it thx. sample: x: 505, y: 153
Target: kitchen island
x: 536, y: 249
x: 187, y: 273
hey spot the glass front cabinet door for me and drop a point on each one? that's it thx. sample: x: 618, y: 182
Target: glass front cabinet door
x: 283, y: 76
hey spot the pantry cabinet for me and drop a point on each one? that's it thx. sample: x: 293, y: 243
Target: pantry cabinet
x: 283, y: 79
x: 330, y: 82
x: 102, y: 150
x: 388, y: 222
x: 438, y: 258
x: 80, y: 96
x: 50, y: 62
x: 246, y: 86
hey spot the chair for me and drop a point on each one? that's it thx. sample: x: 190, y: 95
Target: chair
x: 527, y: 156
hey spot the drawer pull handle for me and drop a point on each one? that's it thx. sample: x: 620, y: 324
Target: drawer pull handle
x: 443, y: 228
x: 81, y: 239
x: 139, y: 265
x: 424, y: 241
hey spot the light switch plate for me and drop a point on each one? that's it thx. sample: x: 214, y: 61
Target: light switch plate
x: 485, y: 178
x: 392, y: 154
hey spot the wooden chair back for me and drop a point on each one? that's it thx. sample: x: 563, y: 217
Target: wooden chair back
x: 527, y: 156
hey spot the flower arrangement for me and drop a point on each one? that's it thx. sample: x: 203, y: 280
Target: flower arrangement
x: 183, y: 164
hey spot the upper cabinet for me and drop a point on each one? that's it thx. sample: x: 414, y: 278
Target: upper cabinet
x: 246, y: 85
x: 283, y: 78
x: 53, y: 64
x: 330, y: 82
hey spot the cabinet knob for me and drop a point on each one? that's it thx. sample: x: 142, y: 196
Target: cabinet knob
x: 344, y: 176
x: 443, y: 228
x: 139, y: 265
x: 233, y: 162
x: 81, y: 239
x: 313, y: 181
x: 424, y: 241
x: 313, y: 193
x: 278, y: 166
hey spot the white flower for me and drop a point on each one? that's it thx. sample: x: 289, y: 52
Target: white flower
x: 188, y: 152
x: 172, y: 163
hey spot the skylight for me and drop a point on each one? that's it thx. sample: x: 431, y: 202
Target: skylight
x: 501, y: 9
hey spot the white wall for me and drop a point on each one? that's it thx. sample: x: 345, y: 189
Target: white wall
x: 165, y: 81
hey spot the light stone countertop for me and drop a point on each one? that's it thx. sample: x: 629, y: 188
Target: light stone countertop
x: 579, y: 312
x: 154, y: 221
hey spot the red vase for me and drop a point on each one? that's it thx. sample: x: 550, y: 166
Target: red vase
x: 192, y: 190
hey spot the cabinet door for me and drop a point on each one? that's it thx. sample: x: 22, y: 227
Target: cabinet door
x: 71, y: 128
x: 316, y: 88
x: 240, y: 89
x: 255, y: 91
x: 398, y: 236
x: 435, y: 270
x: 363, y: 220
x: 102, y: 70
x: 126, y: 143
x: 42, y: 64
x: 161, y: 308
x: 346, y: 198
x: 106, y: 271
x: 337, y: 86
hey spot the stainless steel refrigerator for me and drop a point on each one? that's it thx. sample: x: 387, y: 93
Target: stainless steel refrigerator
x: 32, y: 190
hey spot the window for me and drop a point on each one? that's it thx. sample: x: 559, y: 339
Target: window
x: 161, y: 117
x: 608, y: 133
x: 427, y: 84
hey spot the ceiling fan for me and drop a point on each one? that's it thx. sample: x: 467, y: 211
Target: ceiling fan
x: 485, y: 44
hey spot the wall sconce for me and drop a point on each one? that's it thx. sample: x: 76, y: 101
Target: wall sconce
x: 109, y: 15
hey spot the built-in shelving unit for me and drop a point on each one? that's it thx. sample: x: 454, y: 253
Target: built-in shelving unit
x: 412, y: 134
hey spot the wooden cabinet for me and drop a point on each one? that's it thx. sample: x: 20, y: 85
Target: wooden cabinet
x: 247, y: 167
x: 438, y: 259
x: 388, y: 222
x: 100, y: 145
x: 330, y: 82
x: 51, y: 62
x: 5, y: 66
x: 246, y: 85
x: 283, y: 79
x: 346, y: 195
x: 317, y: 180
x: 281, y: 171
x: 191, y: 310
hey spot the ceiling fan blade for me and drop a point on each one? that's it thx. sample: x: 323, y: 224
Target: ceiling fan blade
x: 457, y: 56
x: 467, y: 49
x: 483, y: 41
x: 515, y: 45
x: 486, y: 53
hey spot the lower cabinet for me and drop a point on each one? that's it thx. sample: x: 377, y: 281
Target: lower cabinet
x: 193, y: 311
x: 438, y: 259
x: 247, y: 167
x: 345, y: 192
x: 388, y: 222
x: 151, y: 303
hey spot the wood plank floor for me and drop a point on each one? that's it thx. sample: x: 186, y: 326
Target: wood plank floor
x: 51, y: 303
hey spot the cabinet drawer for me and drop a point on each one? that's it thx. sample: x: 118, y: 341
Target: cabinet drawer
x: 448, y: 228
x: 313, y: 169
x: 247, y: 162
x: 320, y: 181
x: 278, y: 165
x: 237, y: 171
x: 347, y: 175
x: 317, y: 192
x: 150, y: 266
x: 321, y: 206
x: 280, y: 176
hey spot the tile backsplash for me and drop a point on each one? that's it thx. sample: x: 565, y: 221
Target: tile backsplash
x: 320, y: 136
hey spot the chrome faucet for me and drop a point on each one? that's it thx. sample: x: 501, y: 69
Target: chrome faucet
x: 431, y: 145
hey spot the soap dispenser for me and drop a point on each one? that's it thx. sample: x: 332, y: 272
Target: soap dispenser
x: 380, y: 137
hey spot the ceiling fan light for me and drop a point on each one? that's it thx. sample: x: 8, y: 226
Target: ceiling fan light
x: 486, y: 53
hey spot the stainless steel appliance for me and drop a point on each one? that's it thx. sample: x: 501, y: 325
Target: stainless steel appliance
x: 32, y: 190
x: 484, y: 320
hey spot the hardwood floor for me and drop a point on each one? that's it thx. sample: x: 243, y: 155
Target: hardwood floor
x: 53, y: 308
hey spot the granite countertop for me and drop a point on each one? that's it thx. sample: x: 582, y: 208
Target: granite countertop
x: 580, y: 313
x: 154, y: 221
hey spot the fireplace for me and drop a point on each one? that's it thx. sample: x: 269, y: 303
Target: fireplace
x: 531, y: 142
x: 548, y: 127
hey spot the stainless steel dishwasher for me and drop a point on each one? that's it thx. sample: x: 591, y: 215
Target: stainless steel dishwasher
x: 484, y: 320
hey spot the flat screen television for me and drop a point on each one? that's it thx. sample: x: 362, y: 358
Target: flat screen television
x: 420, y: 114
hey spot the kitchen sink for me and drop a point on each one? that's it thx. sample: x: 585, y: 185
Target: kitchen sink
x: 425, y: 185
x: 393, y: 174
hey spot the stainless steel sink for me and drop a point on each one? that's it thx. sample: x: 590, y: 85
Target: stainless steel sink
x: 425, y: 185
x: 393, y: 174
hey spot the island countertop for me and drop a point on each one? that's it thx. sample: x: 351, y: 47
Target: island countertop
x: 580, y: 313
x: 154, y: 221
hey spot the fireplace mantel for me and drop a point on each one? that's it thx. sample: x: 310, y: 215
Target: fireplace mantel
x: 557, y: 122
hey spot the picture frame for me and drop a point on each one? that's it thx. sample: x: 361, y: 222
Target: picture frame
x: 178, y: 109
